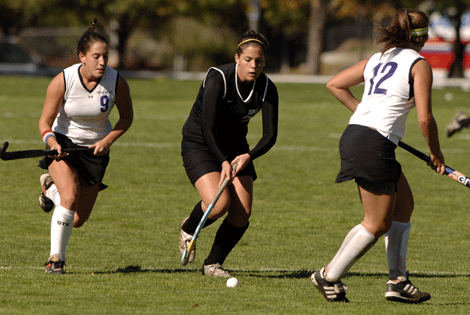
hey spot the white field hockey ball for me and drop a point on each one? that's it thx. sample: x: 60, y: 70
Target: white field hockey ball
x: 232, y: 282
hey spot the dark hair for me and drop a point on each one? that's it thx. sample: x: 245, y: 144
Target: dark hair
x: 88, y: 38
x: 249, y: 38
x: 398, y: 33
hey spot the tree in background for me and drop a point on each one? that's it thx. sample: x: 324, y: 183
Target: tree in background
x: 284, y: 22
x: 323, y: 12
x: 204, y: 33
x: 120, y: 18
x: 201, y: 32
x: 15, y: 15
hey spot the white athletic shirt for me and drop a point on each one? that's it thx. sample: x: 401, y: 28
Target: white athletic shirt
x: 388, y: 93
x: 84, y: 114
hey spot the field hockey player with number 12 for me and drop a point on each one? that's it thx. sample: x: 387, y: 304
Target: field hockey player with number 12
x: 396, y: 80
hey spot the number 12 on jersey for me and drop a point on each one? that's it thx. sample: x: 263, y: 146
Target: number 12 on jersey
x: 382, y: 72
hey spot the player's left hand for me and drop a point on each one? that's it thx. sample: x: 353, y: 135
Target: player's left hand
x: 437, y: 163
x: 101, y: 147
x: 242, y: 161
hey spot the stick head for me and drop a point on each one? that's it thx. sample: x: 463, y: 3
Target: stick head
x: 187, y: 251
x: 3, y: 148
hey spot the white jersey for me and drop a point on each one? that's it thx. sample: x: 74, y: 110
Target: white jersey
x: 388, y: 93
x: 84, y: 114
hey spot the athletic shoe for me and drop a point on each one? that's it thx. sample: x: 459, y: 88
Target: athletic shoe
x: 55, y: 265
x: 332, y: 291
x: 185, y: 238
x: 405, y: 292
x: 45, y: 203
x: 215, y: 270
x: 455, y: 125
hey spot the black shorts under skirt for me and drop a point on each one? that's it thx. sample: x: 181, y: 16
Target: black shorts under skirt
x: 369, y: 158
x: 88, y: 166
x: 198, y: 161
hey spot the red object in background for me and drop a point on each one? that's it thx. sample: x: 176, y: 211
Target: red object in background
x: 439, y: 54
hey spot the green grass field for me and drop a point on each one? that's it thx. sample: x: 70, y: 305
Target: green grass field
x: 125, y: 259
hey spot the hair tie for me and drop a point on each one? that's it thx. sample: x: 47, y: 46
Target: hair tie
x: 419, y: 31
x: 251, y: 40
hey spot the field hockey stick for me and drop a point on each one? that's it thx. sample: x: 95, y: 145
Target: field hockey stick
x: 192, y: 243
x: 15, y: 155
x: 455, y: 175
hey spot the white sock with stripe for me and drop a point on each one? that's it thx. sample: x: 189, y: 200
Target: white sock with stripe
x: 61, y: 229
x: 357, y: 243
x: 396, y: 246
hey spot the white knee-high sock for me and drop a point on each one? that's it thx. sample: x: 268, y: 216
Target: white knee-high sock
x: 61, y: 229
x: 53, y: 194
x: 357, y: 243
x: 396, y: 246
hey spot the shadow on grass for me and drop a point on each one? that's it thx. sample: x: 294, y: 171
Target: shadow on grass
x: 273, y: 273
x: 138, y: 269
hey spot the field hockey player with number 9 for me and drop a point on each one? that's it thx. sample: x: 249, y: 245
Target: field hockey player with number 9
x: 396, y: 79
x: 76, y: 115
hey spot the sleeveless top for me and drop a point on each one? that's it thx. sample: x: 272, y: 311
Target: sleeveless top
x: 388, y: 93
x: 84, y: 114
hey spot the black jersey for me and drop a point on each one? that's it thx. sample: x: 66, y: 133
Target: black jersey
x: 224, y: 106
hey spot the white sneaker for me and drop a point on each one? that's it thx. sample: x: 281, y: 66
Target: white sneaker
x: 215, y: 270
x: 45, y: 203
x: 185, y: 238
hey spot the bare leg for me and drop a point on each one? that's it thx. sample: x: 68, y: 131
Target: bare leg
x: 207, y: 187
x: 378, y: 213
x: 396, y: 239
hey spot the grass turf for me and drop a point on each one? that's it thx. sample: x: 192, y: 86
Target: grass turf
x: 125, y: 258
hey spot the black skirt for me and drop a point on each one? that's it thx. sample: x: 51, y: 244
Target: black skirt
x: 88, y: 166
x: 198, y: 161
x: 369, y: 158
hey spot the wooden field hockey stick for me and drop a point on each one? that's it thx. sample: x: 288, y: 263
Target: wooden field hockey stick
x: 15, y: 155
x: 192, y: 243
x: 455, y: 175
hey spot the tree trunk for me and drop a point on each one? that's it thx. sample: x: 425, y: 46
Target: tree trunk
x: 285, y: 61
x: 456, y: 69
x: 123, y: 33
x: 316, y: 27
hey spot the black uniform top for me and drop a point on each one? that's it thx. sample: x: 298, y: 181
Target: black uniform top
x: 224, y: 106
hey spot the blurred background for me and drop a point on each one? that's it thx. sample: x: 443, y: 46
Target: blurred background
x: 152, y: 37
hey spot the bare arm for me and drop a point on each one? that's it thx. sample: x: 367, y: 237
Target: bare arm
x: 339, y: 85
x: 53, y: 102
x: 422, y: 75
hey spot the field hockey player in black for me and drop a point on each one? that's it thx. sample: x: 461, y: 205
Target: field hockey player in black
x: 214, y: 139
